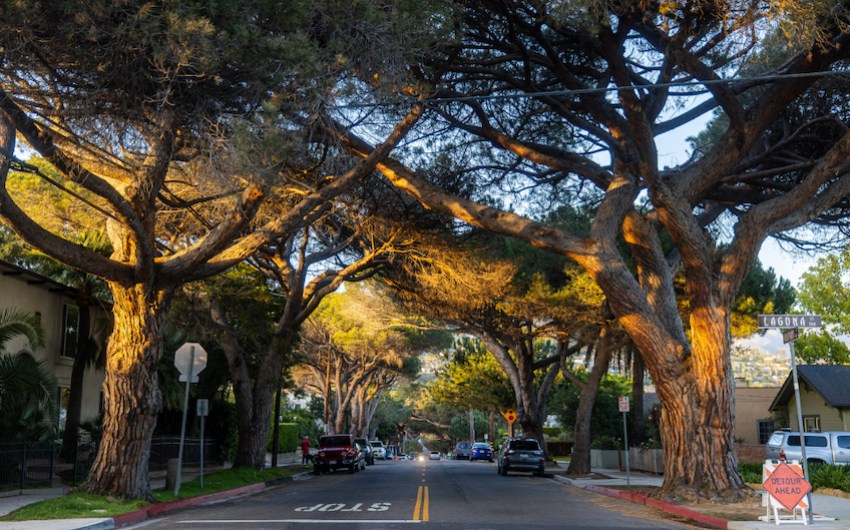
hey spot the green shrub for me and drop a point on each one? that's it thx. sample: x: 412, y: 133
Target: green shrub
x: 828, y: 476
x: 750, y: 472
x: 552, y: 432
x: 606, y: 442
x: 287, y: 437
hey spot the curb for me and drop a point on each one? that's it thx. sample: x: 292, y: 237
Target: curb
x: 646, y: 500
x: 158, y: 510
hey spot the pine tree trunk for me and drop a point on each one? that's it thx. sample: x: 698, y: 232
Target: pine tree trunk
x: 580, y: 461
x: 638, y: 432
x: 254, y: 404
x: 696, y: 417
x: 132, y: 398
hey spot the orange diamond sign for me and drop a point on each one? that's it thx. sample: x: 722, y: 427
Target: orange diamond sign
x: 786, y: 486
x: 510, y: 415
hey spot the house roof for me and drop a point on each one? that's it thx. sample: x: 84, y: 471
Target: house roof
x: 33, y: 278
x: 831, y: 381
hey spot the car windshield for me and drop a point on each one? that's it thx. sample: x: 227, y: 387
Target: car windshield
x: 334, y: 441
x: 524, y: 445
x: 376, y: 444
x: 463, y: 445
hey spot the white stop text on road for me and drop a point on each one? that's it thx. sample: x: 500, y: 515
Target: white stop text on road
x: 338, y: 507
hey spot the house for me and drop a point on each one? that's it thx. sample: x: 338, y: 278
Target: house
x: 55, y: 306
x: 824, y: 398
x: 754, y: 421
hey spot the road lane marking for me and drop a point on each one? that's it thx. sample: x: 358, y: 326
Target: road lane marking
x: 420, y: 510
x: 300, y: 521
x: 425, y: 506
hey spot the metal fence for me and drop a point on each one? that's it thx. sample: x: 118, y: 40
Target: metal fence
x: 164, y: 448
x: 26, y: 464
x: 33, y: 464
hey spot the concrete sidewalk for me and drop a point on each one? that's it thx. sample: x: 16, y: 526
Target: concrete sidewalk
x: 831, y: 513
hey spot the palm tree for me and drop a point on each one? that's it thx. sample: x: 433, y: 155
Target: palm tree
x: 27, y: 390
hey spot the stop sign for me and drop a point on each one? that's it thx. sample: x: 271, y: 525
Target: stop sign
x: 190, y: 355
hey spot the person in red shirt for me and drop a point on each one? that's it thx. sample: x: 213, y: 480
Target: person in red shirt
x: 305, y: 450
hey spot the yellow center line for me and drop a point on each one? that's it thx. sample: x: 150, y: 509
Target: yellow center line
x: 418, y: 504
x: 420, y: 511
x: 425, y: 506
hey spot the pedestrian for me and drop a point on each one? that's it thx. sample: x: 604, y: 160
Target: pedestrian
x: 305, y: 450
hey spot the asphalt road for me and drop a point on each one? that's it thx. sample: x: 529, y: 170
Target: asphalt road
x: 405, y: 494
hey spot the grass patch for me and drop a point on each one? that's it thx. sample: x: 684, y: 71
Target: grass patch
x: 77, y: 505
x: 224, y: 480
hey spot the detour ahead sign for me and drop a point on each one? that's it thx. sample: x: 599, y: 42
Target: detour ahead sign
x: 786, y: 486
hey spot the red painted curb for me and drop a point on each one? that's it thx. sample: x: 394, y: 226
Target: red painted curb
x: 167, y: 507
x: 685, y: 512
x: 643, y: 498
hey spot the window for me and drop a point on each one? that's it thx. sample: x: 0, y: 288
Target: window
x: 843, y: 442
x: 811, y: 423
x: 63, y: 397
x: 70, y: 330
x: 765, y: 429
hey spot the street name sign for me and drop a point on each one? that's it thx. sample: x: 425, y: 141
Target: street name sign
x: 790, y: 335
x: 789, y: 321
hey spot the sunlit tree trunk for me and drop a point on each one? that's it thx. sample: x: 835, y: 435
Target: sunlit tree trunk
x: 131, y: 394
x: 698, y: 413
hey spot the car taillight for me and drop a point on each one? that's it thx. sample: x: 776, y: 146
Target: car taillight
x: 782, y: 454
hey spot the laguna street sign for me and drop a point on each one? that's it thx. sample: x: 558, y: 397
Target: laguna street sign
x: 789, y: 321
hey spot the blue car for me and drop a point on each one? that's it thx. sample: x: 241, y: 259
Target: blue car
x: 481, y: 451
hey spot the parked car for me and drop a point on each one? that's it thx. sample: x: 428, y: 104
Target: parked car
x: 379, y: 450
x: 521, y: 454
x: 821, y: 447
x: 435, y: 455
x: 481, y: 451
x: 338, y: 451
x: 462, y: 451
x: 366, y: 447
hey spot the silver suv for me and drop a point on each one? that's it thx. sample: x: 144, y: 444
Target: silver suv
x: 821, y: 447
x: 378, y: 450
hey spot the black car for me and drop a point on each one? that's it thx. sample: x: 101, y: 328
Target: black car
x: 367, y: 450
x: 521, y: 454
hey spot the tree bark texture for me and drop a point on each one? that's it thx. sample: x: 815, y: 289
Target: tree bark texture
x: 132, y: 398
x: 580, y: 461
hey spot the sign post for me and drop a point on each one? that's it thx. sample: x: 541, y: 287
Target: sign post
x: 623, y: 404
x: 202, y: 407
x: 189, y: 359
x: 510, y: 415
x: 793, y: 322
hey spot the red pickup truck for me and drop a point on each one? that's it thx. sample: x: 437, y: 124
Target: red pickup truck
x: 336, y: 451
